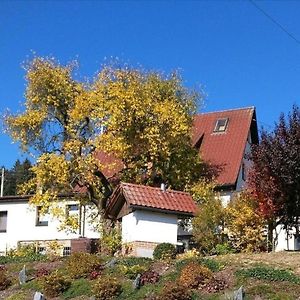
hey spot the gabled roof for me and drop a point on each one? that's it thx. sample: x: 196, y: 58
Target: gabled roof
x: 136, y: 196
x: 225, y: 150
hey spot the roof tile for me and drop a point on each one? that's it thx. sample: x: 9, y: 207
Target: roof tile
x: 152, y: 197
x: 225, y: 149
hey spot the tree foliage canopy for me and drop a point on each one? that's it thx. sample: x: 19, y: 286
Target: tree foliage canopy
x: 143, y: 118
x: 275, y: 175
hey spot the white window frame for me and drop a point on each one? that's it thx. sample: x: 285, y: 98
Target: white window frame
x: 219, y: 127
x: 41, y: 219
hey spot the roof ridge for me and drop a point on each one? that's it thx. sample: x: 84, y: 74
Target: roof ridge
x: 226, y: 110
x: 153, y: 187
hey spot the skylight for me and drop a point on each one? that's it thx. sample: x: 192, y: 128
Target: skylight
x: 221, y: 125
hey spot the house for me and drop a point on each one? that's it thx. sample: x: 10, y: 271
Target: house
x: 224, y: 140
x: 148, y: 215
x: 22, y: 223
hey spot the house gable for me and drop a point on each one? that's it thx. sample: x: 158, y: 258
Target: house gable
x: 221, y: 139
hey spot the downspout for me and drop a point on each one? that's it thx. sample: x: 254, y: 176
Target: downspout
x: 80, y: 219
x: 83, y: 221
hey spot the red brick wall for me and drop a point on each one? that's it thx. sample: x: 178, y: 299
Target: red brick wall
x: 81, y: 245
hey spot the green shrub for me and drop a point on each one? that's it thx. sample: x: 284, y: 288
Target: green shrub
x: 22, y: 254
x: 270, y: 274
x: 133, y: 271
x: 164, y: 251
x: 224, y: 248
x: 211, y: 264
x: 193, y: 275
x: 82, y: 264
x: 78, y: 287
x: 106, y: 288
x: 111, y: 241
x: 54, y: 284
x: 132, y: 261
x: 22, y: 259
x: 175, y: 291
x: 5, y: 282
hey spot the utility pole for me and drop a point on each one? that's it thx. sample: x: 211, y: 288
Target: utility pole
x: 2, y: 183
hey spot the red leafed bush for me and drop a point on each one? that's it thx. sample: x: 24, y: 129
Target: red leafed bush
x: 149, y: 277
x: 5, y: 282
x: 94, y: 275
x: 42, y: 272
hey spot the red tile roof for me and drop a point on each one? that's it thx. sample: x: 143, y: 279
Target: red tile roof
x: 224, y: 149
x: 141, y: 196
x: 111, y: 165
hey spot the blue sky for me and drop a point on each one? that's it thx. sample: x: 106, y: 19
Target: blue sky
x: 229, y: 48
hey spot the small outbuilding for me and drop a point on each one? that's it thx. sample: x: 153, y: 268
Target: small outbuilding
x: 149, y: 216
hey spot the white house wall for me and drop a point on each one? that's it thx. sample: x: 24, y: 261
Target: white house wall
x: 21, y: 226
x: 285, y: 241
x: 149, y: 226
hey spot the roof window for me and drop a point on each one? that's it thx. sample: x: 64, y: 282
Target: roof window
x: 221, y: 125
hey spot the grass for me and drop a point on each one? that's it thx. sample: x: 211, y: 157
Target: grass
x: 211, y: 264
x: 78, y: 287
x: 269, y: 274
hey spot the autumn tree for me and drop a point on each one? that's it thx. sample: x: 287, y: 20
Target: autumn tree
x: 142, y: 118
x: 208, y: 224
x: 275, y: 176
x: 244, y: 223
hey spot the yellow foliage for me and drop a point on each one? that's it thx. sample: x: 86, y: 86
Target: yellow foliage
x: 188, y: 254
x: 208, y: 224
x: 246, y: 227
x: 142, y: 118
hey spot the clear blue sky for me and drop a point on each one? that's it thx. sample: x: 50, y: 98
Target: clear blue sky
x: 229, y: 47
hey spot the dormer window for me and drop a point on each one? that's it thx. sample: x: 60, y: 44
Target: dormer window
x: 221, y: 125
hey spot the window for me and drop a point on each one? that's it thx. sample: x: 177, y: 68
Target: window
x: 243, y: 172
x: 67, y: 251
x: 221, y: 125
x: 41, y: 250
x: 41, y: 218
x: 72, y: 209
x: 3, y: 221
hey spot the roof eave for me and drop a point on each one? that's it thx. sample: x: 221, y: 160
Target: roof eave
x: 154, y: 209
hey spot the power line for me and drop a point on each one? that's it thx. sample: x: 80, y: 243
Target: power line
x: 274, y: 21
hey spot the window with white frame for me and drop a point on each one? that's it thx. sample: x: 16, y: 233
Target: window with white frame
x: 72, y: 209
x: 42, y: 218
x: 3, y: 221
x: 67, y: 251
x: 221, y: 125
